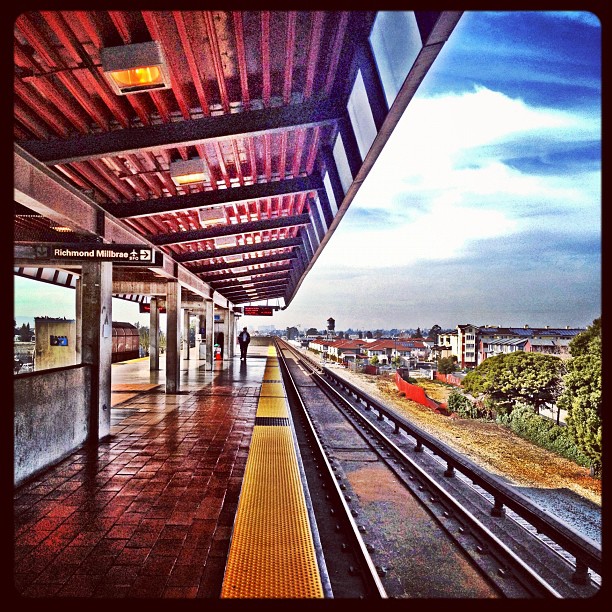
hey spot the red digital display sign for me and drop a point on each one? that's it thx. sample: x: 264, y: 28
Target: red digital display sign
x: 258, y: 311
x: 144, y: 308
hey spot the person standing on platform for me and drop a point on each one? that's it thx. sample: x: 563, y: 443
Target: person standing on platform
x: 243, y: 340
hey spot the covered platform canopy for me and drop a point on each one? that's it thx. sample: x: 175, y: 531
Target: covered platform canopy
x: 281, y: 115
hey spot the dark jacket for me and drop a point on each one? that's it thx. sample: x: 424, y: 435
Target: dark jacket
x: 240, y: 336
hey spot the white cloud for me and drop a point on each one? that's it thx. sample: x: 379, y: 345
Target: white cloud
x: 438, y: 135
x: 443, y: 182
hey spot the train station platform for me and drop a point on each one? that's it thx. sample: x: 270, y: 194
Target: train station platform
x: 149, y: 512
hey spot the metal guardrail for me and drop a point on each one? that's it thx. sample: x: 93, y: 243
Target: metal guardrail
x: 586, y: 552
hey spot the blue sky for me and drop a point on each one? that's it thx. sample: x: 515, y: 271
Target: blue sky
x: 485, y: 206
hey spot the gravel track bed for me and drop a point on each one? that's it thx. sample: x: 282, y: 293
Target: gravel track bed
x: 557, y: 485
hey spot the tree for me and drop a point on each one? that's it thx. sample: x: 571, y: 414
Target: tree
x: 312, y: 332
x: 433, y: 333
x: 580, y: 344
x: 447, y: 365
x: 145, y: 340
x: 417, y: 333
x: 581, y: 395
x: 25, y: 333
x: 531, y: 378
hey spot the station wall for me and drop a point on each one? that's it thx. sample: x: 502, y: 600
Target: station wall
x: 51, y: 417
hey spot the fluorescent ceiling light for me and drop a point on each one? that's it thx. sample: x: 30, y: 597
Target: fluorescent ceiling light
x: 187, y: 172
x: 224, y: 241
x: 211, y: 216
x: 135, y: 68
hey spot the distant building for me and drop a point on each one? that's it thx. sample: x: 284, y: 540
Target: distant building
x: 55, y: 343
x: 472, y: 344
x: 546, y: 340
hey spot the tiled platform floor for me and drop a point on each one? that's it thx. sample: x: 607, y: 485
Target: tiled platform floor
x: 148, y: 513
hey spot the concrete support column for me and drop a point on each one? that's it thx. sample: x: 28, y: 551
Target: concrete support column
x: 186, y: 333
x: 232, y: 344
x: 210, y: 330
x: 78, y: 345
x: 97, y: 342
x: 154, y: 335
x: 202, y: 332
x: 173, y: 335
x: 227, y: 339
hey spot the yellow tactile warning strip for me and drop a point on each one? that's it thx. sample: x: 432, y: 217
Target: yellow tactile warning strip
x: 272, y: 553
x: 272, y: 407
x: 272, y: 389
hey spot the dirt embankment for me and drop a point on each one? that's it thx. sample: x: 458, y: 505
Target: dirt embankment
x: 494, y: 447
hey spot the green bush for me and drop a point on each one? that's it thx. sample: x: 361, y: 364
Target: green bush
x: 542, y: 431
x: 469, y: 409
x: 460, y: 404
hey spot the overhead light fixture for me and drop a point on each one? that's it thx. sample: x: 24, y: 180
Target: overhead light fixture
x: 212, y: 216
x: 223, y: 242
x: 187, y: 172
x: 135, y: 68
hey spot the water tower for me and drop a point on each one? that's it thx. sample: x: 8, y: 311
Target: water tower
x: 331, y: 326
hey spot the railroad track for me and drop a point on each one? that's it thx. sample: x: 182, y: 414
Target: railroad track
x: 395, y: 524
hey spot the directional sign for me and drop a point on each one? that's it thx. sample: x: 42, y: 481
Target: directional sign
x: 258, y: 311
x: 126, y: 254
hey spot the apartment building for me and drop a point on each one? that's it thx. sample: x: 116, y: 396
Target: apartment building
x: 472, y: 345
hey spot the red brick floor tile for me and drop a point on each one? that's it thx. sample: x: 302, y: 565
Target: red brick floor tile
x: 167, y: 547
x: 132, y: 556
x: 74, y: 554
x: 212, y: 578
x: 96, y: 565
x: 80, y: 585
x: 149, y: 513
x: 121, y: 532
x: 121, y: 575
x: 196, y: 556
x: 41, y: 590
x: 147, y: 586
x: 56, y: 573
x: 180, y: 592
x: 186, y: 575
x: 157, y: 565
x: 111, y: 591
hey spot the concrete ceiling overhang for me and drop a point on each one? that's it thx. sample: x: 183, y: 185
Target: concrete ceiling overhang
x: 262, y: 98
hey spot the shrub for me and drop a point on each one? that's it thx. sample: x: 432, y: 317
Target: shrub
x: 460, y: 404
x: 542, y: 431
x: 470, y: 409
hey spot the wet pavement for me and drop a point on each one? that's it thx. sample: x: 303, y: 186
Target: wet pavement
x: 149, y: 512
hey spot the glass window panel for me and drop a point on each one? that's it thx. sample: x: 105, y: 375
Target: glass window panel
x: 361, y: 116
x: 396, y: 42
x: 330, y: 194
x: 320, y: 211
x: 344, y: 170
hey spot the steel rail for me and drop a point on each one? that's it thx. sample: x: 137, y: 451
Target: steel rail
x: 586, y: 552
x: 376, y: 587
x: 530, y: 580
